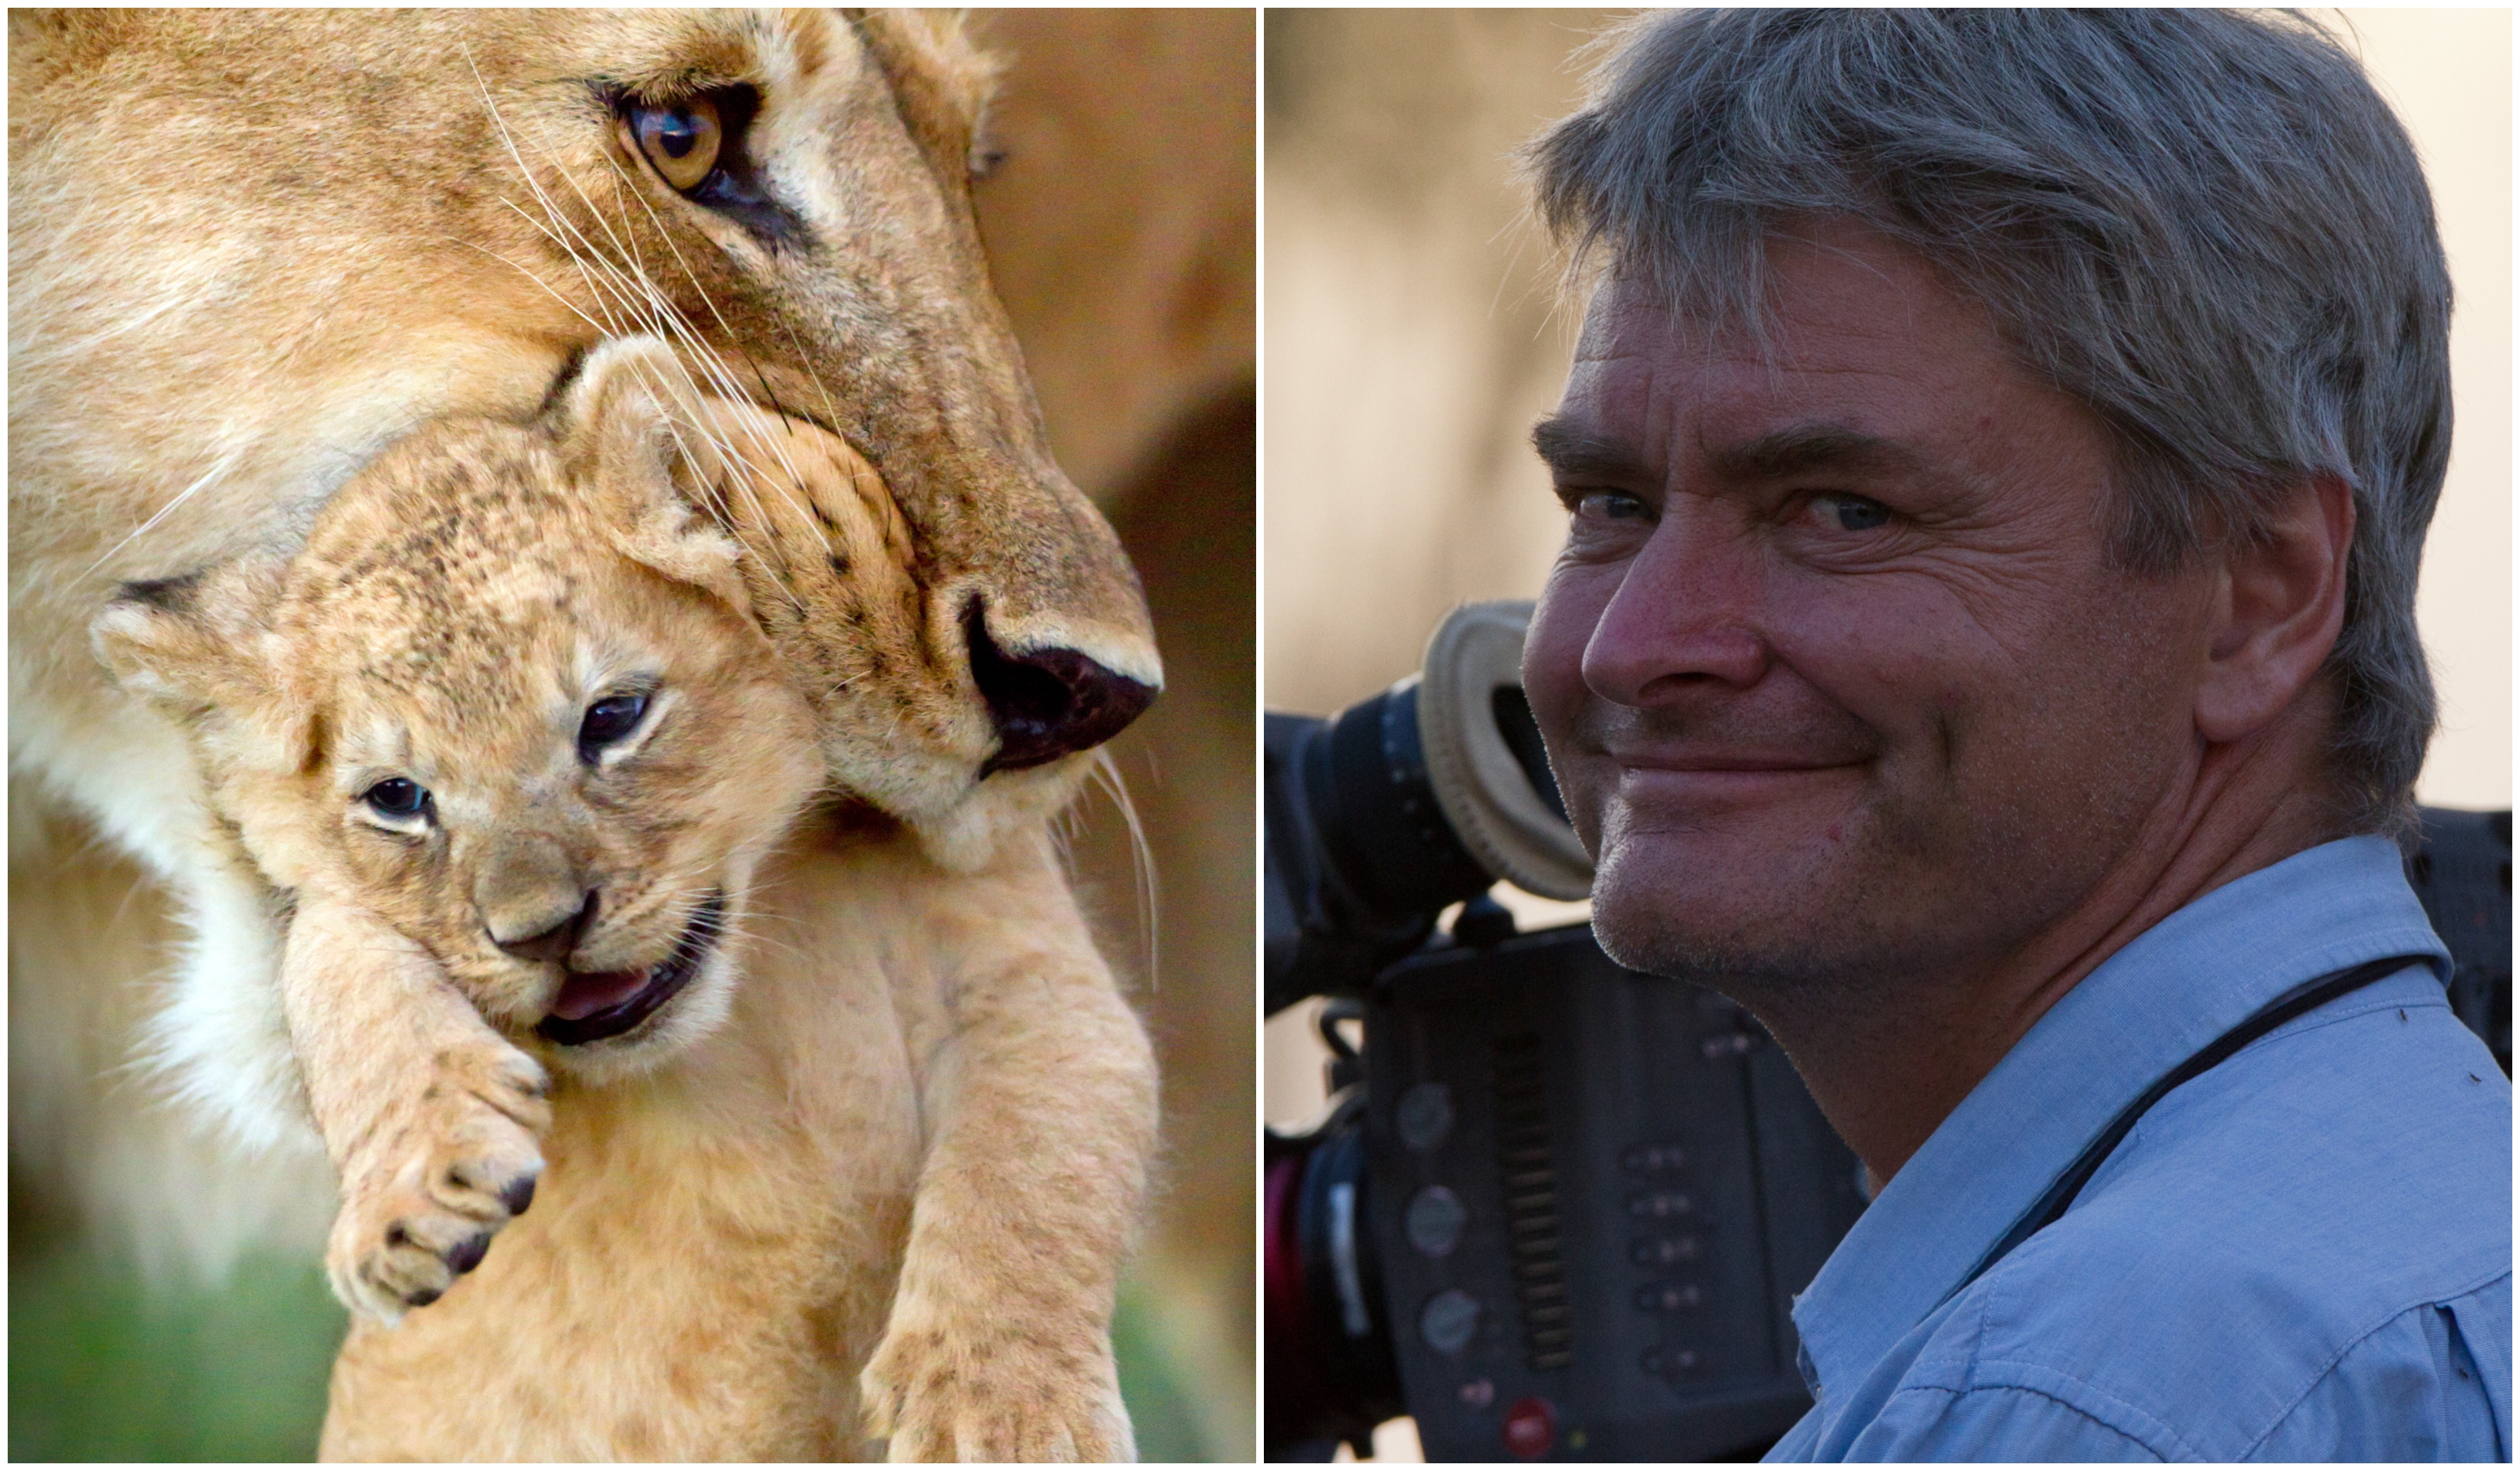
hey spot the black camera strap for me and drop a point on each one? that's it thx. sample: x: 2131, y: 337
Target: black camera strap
x: 2307, y: 997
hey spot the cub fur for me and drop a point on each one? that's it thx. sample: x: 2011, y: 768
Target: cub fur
x: 516, y: 745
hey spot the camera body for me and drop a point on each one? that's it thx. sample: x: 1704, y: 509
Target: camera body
x: 1593, y: 1195
x: 1561, y: 1210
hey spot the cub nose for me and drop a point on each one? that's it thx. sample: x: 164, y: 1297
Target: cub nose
x: 1047, y: 702
x: 546, y: 937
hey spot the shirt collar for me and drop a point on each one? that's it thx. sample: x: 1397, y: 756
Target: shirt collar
x: 2169, y: 993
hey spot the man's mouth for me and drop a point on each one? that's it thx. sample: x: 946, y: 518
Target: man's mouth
x: 597, y: 1004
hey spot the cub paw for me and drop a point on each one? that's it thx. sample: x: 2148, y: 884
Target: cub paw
x: 438, y: 1172
x: 995, y: 1393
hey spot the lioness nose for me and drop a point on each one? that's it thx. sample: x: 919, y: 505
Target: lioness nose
x: 544, y: 938
x: 1047, y: 702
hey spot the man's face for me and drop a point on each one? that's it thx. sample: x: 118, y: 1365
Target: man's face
x: 1834, y: 669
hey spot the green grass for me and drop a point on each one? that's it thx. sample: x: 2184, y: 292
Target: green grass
x: 102, y: 1368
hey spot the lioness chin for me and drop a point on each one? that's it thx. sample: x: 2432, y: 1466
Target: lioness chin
x: 510, y: 737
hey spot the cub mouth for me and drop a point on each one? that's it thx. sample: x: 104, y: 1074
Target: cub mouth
x: 593, y: 1006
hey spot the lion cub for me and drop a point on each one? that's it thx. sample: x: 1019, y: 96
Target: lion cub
x: 521, y: 770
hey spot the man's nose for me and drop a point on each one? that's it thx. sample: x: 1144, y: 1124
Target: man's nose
x: 1685, y: 616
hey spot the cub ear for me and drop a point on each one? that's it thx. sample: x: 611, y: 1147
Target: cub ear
x: 633, y: 438
x: 195, y: 640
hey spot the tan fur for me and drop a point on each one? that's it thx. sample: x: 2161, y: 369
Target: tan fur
x: 456, y: 607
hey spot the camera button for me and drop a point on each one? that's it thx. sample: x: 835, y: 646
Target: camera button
x: 1658, y: 1205
x: 1651, y: 1159
x: 1662, y: 1250
x: 1668, y: 1297
x: 1449, y: 1320
x: 1424, y: 1116
x: 1434, y: 1220
x: 1530, y: 1427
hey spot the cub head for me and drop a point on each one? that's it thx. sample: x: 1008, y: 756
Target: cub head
x: 512, y: 699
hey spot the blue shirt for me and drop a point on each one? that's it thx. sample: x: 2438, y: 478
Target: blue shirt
x: 2305, y: 1254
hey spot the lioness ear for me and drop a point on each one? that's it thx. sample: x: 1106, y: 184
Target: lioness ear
x: 195, y: 640
x: 631, y: 438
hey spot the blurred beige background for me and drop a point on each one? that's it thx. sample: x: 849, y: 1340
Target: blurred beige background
x: 1412, y: 335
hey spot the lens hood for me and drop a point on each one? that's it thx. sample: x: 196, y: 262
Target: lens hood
x: 1488, y: 793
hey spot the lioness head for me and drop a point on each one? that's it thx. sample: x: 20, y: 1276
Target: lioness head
x: 335, y: 227
x: 512, y: 699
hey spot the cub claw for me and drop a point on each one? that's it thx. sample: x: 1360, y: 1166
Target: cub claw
x: 468, y: 1253
x: 459, y: 1159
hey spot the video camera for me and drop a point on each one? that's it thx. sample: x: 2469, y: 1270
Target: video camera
x: 1560, y: 1209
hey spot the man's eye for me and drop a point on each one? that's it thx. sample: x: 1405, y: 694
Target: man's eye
x: 1850, y: 512
x: 608, y: 721
x: 1611, y: 505
x: 396, y: 798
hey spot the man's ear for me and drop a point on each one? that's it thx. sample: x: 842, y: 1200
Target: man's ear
x: 634, y: 436
x: 195, y: 640
x: 2278, y: 606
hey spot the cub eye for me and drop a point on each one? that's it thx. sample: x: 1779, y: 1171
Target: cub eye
x: 396, y: 798
x: 608, y: 721
x: 682, y: 140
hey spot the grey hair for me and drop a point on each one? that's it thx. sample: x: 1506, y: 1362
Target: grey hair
x: 2206, y: 226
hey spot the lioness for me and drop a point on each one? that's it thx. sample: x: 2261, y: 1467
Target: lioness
x: 509, y: 734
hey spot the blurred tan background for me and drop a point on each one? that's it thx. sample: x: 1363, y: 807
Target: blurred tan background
x: 1413, y: 335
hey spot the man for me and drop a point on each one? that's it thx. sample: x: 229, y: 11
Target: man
x: 1996, y: 460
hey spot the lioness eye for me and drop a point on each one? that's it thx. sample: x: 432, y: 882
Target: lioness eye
x: 394, y: 796
x: 681, y: 140
x: 607, y: 721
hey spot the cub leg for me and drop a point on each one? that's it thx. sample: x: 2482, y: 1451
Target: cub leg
x: 1042, y: 1102
x: 432, y: 1118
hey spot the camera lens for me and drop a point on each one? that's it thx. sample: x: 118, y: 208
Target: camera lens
x: 1377, y: 813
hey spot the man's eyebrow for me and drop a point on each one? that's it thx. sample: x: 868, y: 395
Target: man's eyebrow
x: 1572, y: 451
x: 1575, y: 451
x: 1802, y: 449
